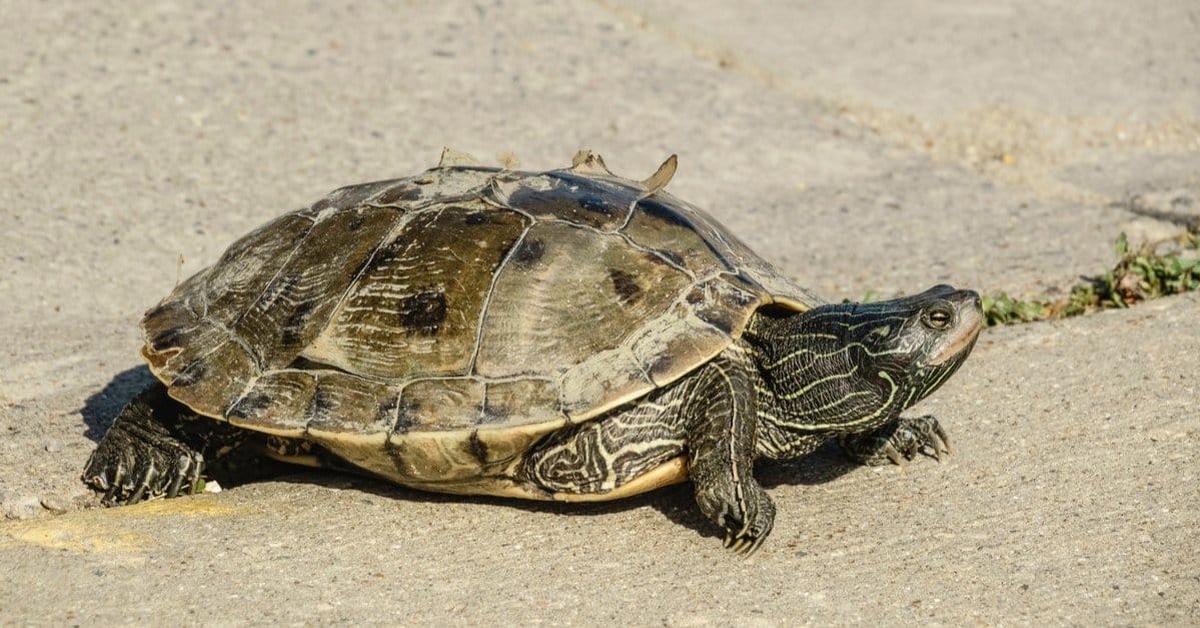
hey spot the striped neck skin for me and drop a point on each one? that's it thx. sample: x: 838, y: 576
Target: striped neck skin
x: 854, y: 367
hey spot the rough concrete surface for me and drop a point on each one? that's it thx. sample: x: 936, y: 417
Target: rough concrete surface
x: 861, y: 146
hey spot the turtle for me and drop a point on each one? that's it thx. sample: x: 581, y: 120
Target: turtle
x: 565, y: 335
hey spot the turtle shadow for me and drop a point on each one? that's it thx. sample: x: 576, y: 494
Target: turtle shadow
x: 826, y: 464
x: 675, y: 503
x: 344, y: 480
x: 102, y: 407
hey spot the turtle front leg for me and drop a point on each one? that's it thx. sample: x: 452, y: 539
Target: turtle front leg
x: 898, y: 441
x: 721, y: 419
x: 156, y: 447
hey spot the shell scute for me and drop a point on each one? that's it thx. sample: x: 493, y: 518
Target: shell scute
x: 421, y: 297
x: 277, y: 402
x: 440, y: 404
x: 549, y: 311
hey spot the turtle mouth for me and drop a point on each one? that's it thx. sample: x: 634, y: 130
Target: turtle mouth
x: 962, y: 338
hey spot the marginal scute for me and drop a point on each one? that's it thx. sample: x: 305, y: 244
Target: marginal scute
x: 667, y: 352
x: 605, y: 378
x: 203, y: 378
x: 345, y: 404
x: 520, y: 400
x: 441, y: 404
x: 725, y: 304
x: 277, y: 402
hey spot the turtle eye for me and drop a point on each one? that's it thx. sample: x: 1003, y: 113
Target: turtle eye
x: 938, y: 317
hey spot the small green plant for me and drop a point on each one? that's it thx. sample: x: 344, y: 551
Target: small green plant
x: 1152, y: 270
x: 1002, y: 309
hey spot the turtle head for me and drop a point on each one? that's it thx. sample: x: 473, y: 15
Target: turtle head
x: 854, y: 366
x: 914, y: 343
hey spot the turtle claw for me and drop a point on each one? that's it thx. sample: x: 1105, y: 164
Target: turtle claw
x: 747, y: 521
x: 929, y: 434
x: 744, y: 537
x: 744, y: 546
x: 899, y: 442
x: 941, y: 434
x: 147, y: 480
x: 894, y: 455
x: 112, y: 484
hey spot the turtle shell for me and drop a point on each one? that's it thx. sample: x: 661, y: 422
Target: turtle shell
x: 434, y: 327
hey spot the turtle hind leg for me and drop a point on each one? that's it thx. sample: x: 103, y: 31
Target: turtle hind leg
x: 157, y: 447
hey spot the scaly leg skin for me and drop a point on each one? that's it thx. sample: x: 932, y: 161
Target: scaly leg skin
x: 155, y: 448
x: 897, y: 442
x: 720, y: 414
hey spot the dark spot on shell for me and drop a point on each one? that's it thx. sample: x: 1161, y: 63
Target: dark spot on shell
x: 478, y: 448
x: 356, y: 220
x: 695, y: 296
x: 394, y: 453
x: 476, y: 218
x: 424, y: 311
x: 661, y: 365
x: 493, y: 413
x: 156, y: 311
x: 387, y: 410
x: 595, y: 204
x: 626, y: 287
x: 405, y: 416
x: 293, y: 327
x: 166, y: 338
x: 250, y: 405
x: 529, y: 252
x: 662, y: 211
x: 190, y: 374
x: 406, y: 192
x: 322, y: 403
x: 717, y: 318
